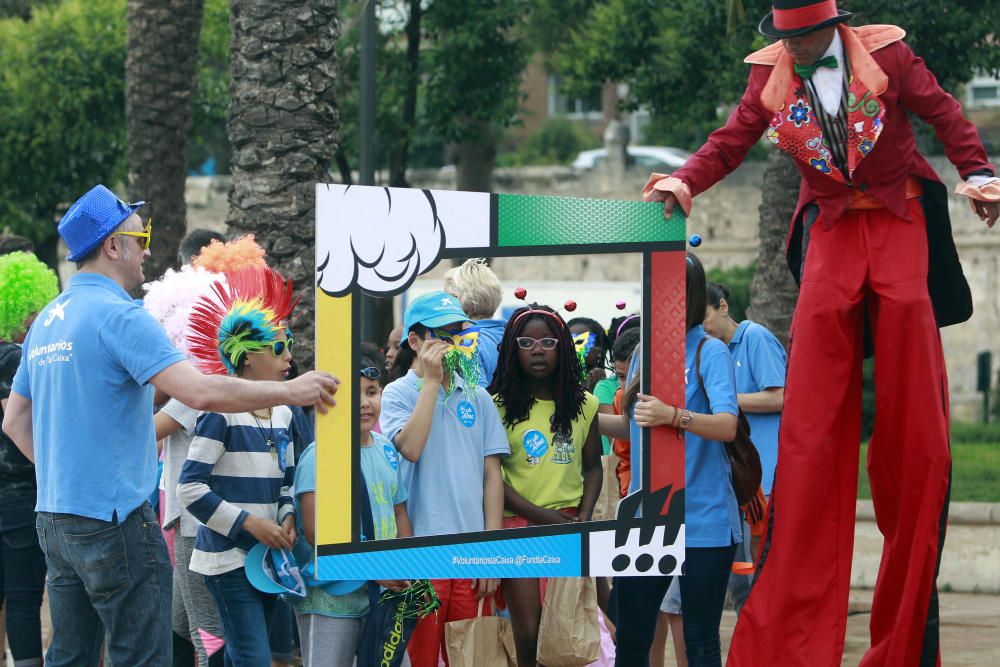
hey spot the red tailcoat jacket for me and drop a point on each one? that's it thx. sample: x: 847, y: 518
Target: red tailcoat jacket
x: 887, y: 80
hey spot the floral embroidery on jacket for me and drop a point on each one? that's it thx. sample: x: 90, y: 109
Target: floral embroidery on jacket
x: 798, y: 113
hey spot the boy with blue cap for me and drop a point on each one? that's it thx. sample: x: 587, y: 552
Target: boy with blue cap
x: 450, y: 437
x: 81, y: 408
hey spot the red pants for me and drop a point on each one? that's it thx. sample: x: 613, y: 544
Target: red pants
x: 797, y: 610
x: 458, y: 602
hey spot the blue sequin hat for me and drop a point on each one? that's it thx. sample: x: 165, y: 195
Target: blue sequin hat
x: 91, y: 219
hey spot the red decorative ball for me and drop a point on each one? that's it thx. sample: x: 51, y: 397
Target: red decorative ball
x: 620, y: 305
x: 570, y: 305
x: 520, y: 293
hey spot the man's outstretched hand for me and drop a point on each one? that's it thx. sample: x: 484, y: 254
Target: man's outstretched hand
x: 313, y: 388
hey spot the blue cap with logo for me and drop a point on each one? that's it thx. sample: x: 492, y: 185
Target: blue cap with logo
x: 91, y: 219
x: 274, y: 571
x: 434, y: 309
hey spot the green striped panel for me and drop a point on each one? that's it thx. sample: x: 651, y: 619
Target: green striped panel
x: 528, y: 220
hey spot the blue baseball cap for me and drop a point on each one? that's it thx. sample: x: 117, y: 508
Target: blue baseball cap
x: 274, y: 571
x: 91, y: 219
x: 434, y: 309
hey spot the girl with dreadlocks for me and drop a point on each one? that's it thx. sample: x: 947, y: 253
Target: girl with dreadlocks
x: 240, y: 467
x: 553, y: 473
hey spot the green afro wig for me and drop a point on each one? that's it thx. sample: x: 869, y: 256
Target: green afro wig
x: 26, y: 287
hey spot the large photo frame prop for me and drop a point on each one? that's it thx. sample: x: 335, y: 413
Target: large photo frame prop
x: 377, y: 240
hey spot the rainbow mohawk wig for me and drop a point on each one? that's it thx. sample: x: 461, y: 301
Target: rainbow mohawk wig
x: 240, y: 317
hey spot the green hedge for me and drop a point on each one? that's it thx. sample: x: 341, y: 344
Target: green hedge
x: 965, y: 432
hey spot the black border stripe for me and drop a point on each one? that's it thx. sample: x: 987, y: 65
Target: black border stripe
x: 494, y: 220
x: 458, y: 539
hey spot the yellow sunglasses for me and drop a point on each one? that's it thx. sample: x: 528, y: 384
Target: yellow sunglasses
x: 145, y: 236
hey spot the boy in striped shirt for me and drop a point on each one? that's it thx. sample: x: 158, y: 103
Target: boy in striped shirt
x: 238, y: 475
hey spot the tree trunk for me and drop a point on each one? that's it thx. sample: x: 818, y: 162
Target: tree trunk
x: 773, y: 292
x: 399, y: 154
x: 283, y: 129
x: 475, y: 157
x: 160, y: 80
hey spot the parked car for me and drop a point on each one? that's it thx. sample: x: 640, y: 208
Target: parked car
x: 664, y: 158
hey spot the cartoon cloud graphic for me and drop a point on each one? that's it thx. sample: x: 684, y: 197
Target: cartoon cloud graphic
x: 380, y: 239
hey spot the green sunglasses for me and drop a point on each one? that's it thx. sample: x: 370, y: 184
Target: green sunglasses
x: 278, y: 347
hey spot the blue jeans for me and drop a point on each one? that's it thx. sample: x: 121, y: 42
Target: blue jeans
x: 245, y: 613
x: 107, y: 576
x: 703, y: 594
x: 22, y: 580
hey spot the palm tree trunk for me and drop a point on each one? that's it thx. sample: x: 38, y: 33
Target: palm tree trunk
x: 160, y: 80
x: 773, y: 292
x: 283, y: 128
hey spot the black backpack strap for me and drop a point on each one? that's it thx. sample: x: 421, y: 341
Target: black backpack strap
x: 697, y: 370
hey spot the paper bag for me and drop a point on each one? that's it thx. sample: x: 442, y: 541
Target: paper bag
x: 484, y: 641
x: 607, y: 502
x: 568, y: 635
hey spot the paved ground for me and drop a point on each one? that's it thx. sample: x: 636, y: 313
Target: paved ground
x: 970, y: 629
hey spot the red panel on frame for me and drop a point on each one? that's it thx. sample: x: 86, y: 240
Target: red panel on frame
x: 667, y: 321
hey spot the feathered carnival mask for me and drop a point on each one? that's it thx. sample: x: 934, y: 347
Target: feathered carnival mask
x: 463, y: 357
x: 26, y: 287
x: 172, y: 298
x: 584, y: 343
x: 234, y: 319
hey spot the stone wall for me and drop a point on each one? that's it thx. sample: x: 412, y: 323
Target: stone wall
x: 726, y: 217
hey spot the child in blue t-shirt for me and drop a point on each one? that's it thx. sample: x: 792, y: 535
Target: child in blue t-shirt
x: 713, y: 527
x: 330, y: 625
x: 450, y: 438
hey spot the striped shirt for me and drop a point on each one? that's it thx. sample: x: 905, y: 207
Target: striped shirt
x: 231, y: 472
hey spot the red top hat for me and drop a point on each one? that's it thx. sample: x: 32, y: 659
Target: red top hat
x: 791, y: 18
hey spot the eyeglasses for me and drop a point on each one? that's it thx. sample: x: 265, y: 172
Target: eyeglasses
x: 279, y: 347
x: 145, y: 236
x: 371, y: 373
x: 528, y: 343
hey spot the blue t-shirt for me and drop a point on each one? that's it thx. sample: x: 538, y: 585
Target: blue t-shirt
x: 86, y: 366
x: 490, y: 335
x: 380, y: 465
x: 446, y: 485
x: 711, y: 515
x: 760, y: 364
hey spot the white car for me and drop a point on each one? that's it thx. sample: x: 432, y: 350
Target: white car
x: 665, y: 158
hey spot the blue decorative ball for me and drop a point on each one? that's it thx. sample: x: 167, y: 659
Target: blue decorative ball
x: 695, y: 241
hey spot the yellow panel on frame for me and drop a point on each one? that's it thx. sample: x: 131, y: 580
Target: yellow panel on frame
x: 334, y: 318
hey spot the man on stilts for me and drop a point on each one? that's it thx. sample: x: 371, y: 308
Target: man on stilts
x: 871, y: 246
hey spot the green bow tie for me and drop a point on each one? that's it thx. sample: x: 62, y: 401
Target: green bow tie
x: 806, y: 71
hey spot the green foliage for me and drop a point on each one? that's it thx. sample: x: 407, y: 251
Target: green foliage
x: 975, y: 472
x: 684, y: 58
x: 474, y: 61
x: 676, y: 56
x: 556, y: 141
x: 737, y: 280
x: 967, y: 432
x: 62, y: 106
x: 62, y: 109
